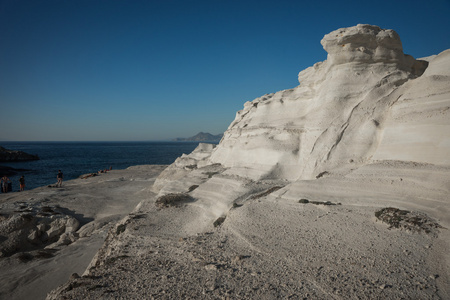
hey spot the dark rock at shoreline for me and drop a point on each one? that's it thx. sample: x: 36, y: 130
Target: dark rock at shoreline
x: 13, y: 155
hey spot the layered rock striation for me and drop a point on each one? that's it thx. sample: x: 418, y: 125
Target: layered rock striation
x: 366, y: 105
x: 335, y: 118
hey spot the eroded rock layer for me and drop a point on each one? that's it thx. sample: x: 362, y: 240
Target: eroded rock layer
x: 343, y: 109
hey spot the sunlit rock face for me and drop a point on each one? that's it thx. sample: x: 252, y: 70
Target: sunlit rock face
x: 334, y: 120
x: 367, y: 116
x: 418, y: 126
x: 365, y: 44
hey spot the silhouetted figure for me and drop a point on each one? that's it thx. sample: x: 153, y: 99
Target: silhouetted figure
x: 5, y: 182
x: 60, y: 178
x: 22, y: 183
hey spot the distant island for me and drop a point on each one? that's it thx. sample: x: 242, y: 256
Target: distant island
x: 201, y: 137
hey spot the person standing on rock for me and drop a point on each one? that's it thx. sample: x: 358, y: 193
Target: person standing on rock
x: 60, y: 177
x: 5, y: 180
x: 22, y: 183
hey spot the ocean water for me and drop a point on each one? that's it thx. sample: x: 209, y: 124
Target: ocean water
x: 78, y: 158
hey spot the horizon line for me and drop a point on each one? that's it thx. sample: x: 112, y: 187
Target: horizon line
x: 94, y: 141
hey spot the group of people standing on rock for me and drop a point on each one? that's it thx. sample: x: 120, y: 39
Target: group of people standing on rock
x: 7, y: 184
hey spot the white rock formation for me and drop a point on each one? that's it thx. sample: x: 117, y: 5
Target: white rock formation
x: 32, y: 227
x: 418, y: 125
x: 367, y: 103
x: 334, y: 118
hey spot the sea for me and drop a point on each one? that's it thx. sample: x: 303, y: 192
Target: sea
x: 78, y: 158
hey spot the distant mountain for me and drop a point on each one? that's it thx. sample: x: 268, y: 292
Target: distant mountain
x: 201, y: 137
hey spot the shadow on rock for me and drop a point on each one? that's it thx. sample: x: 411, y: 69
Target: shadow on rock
x: 38, y: 227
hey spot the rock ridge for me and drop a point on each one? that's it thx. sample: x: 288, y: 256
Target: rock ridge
x: 14, y: 155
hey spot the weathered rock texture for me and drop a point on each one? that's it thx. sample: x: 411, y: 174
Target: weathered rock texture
x: 29, y: 228
x: 368, y: 108
x: 339, y: 113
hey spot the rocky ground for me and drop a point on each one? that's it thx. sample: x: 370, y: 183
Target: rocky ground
x: 48, y: 233
x: 266, y: 248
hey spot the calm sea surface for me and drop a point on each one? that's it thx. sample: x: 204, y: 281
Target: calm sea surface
x: 78, y: 158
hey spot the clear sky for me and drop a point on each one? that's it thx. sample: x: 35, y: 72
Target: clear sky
x: 114, y: 70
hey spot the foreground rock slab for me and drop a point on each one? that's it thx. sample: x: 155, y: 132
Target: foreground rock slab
x: 47, y: 234
x: 266, y: 248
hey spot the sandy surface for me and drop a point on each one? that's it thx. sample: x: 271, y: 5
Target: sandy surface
x: 97, y: 202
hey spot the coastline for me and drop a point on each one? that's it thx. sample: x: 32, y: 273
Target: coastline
x: 77, y: 158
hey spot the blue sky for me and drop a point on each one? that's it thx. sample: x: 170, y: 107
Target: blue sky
x: 116, y: 70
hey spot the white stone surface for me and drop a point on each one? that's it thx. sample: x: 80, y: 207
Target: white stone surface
x: 337, y: 117
x: 367, y: 103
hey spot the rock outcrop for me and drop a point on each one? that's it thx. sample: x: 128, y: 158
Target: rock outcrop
x: 35, y: 227
x: 334, y: 118
x: 14, y: 155
x: 367, y: 103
